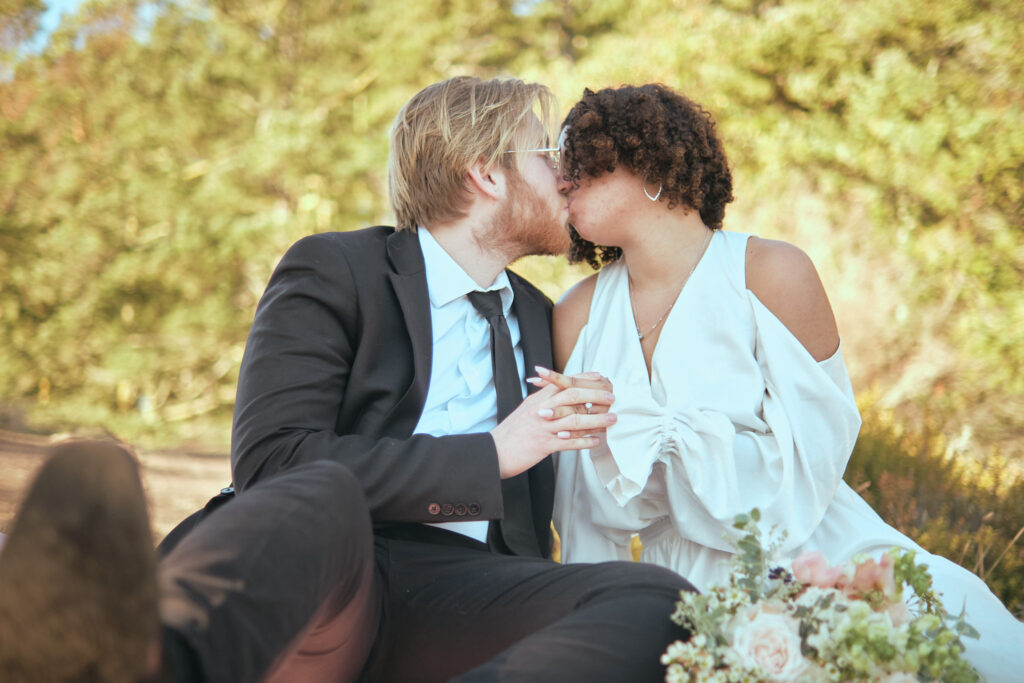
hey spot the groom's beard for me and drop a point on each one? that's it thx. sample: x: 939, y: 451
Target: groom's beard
x: 526, y: 225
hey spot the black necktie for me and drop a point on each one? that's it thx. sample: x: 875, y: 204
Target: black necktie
x: 514, y: 534
x: 503, y: 358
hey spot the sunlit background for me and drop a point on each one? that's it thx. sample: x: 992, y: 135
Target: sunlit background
x: 157, y: 158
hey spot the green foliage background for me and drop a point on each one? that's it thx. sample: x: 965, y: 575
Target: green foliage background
x: 156, y: 159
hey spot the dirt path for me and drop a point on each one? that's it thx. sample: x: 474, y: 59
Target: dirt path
x: 177, y: 483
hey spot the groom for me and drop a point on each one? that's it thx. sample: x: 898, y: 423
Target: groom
x: 395, y: 489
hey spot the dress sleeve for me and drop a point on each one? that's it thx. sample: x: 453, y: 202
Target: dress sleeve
x: 715, y: 469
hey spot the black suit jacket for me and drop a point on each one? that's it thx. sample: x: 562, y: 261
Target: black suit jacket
x: 337, y: 366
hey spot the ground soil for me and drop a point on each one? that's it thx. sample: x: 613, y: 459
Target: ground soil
x: 177, y: 483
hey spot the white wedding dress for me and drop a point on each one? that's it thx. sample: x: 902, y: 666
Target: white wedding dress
x: 736, y: 414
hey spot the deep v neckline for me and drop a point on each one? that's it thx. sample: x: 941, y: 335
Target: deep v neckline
x: 636, y: 347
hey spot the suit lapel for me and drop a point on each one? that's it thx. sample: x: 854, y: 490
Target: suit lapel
x: 409, y: 280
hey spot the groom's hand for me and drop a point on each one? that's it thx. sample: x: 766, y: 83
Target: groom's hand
x: 532, y: 431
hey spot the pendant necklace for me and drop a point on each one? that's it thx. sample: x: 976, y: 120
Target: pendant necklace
x: 642, y: 335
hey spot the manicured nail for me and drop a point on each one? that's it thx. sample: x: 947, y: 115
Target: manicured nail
x: 563, y: 435
x: 609, y: 396
x: 545, y: 412
x: 612, y: 418
x: 536, y: 381
x: 543, y: 372
x: 591, y: 375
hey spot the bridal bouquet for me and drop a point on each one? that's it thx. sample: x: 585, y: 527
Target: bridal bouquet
x: 813, y: 622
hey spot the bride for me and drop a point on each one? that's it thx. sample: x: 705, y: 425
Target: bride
x: 727, y: 369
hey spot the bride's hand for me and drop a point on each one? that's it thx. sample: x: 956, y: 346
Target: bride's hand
x: 584, y: 380
x: 531, y: 431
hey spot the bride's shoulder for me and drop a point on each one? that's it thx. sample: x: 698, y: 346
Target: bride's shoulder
x: 784, y: 279
x: 767, y: 259
x: 570, y: 315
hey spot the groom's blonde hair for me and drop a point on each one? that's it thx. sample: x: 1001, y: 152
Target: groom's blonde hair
x: 446, y: 128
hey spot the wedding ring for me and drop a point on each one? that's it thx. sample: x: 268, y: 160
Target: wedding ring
x: 588, y: 405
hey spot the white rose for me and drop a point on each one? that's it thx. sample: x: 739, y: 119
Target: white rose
x: 770, y: 642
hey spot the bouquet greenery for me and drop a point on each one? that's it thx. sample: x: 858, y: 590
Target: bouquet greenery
x: 814, y: 622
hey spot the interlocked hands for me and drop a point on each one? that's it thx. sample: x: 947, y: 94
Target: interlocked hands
x: 568, y: 413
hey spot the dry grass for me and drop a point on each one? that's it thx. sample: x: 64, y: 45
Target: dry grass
x: 965, y: 507
x: 177, y: 484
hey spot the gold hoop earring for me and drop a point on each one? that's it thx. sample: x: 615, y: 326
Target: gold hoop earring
x: 655, y: 197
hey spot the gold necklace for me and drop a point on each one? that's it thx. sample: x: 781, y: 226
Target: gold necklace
x: 642, y: 335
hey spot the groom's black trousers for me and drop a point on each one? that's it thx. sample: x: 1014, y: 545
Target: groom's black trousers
x: 289, y: 582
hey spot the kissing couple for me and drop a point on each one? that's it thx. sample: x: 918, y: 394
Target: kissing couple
x: 411, y: 415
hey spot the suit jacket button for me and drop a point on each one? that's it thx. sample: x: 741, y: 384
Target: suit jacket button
x: 447, y: 509
x: 474, y: 509
x: 460, y: 510
x: 434, y: 509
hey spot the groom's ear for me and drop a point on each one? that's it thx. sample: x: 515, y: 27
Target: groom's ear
x: 488, y: 181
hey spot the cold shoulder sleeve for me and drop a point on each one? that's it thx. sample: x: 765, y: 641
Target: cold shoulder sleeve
x: 714, y: 469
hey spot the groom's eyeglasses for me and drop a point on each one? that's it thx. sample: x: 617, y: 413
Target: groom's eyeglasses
x: 553, y: 154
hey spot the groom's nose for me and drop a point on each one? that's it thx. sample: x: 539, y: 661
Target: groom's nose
x: 563, y: 184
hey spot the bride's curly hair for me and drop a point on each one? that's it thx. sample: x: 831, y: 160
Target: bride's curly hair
x: 657, y: 134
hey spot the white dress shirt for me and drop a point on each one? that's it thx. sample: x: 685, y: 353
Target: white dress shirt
x: 461, y: 398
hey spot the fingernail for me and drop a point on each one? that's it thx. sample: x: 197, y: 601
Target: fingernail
x: 534, y: 380
x: 545, y: 412
x: 591, y: 375
x: 563, y: 435
x: 543, y: 372
x: 609, y: 396
x: 612, y: 418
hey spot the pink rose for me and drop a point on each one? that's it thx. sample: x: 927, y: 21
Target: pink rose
x: 771, y: 642
x: 898, y: 613
x: 812, y: 567
x: 870, y: 575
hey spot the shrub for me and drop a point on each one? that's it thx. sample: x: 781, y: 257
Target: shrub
x: 969, y: 509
